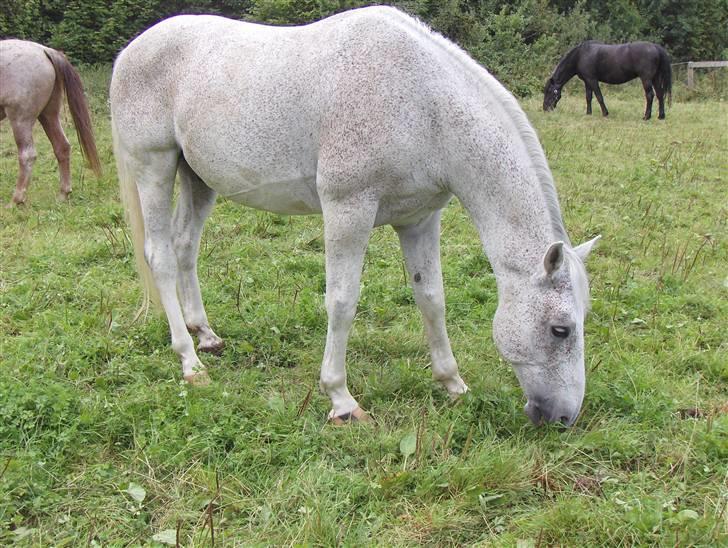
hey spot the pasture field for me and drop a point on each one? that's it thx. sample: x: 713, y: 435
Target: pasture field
x: 102, y: 444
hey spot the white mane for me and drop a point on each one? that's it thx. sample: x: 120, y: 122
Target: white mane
x: 515, y: 114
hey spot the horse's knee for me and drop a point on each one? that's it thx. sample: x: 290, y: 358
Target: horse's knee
x: 431, y: 302
x: 341, y: 309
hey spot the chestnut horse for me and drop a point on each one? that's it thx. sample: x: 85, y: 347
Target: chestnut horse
x: 34, y: 78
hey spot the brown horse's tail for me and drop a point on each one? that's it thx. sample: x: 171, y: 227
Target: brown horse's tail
x: 664, y: 75
x: 71, y: 83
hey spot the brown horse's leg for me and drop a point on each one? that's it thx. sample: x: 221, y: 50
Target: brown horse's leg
x: 649, y: 96
x: 51, y: 123
x: 23, y: 134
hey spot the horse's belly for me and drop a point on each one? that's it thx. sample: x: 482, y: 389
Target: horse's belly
x: 289, y: 197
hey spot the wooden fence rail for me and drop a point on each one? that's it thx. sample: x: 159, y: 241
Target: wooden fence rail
x: 692, y: 65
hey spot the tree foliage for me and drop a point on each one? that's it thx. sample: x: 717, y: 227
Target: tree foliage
x: 519, y: 41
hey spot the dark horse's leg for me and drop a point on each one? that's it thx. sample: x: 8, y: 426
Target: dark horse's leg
x: 649, y: 96
x: 594, y: 85
x: 660, y: 92
x: 588, y: 98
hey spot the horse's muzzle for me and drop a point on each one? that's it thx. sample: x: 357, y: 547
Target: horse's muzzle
x: 540, y: 412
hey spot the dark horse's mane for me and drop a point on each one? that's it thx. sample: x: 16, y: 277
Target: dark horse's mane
x: 568, y: 58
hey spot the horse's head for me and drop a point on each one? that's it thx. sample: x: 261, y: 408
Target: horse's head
x: 539, y: 329
x: 551, y: 94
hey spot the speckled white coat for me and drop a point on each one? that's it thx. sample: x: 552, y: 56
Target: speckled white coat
x: 368, y: 118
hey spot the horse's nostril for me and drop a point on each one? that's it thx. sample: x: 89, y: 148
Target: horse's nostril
x: 534, y: 413
x: 565, y: 420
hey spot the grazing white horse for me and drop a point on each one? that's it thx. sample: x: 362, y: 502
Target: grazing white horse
x: 368, y: 118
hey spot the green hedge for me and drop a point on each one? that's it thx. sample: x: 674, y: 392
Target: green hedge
x: 518, y: 41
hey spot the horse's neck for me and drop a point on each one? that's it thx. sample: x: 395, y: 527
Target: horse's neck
x: 566, y: 69
x: 512, y: 219
x: 511, y: 213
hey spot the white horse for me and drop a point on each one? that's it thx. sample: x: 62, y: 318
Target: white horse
x: 368, y: 118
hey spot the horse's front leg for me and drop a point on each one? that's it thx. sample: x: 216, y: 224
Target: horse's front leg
x: 594, y: 85
x: 421, y: 248
x: 195, y: 203
x: 588, y: 91
x: 347, y: 227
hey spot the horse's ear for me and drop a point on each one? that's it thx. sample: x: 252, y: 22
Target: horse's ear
x: 554, y: 258
x: 584, y: 249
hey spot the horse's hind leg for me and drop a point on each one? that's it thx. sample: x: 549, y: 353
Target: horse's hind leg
x: 347, y: 227
x: 421, y: 247
x: 51, y: 122
x: 23, y: 134
x: 194, y: 204
x: 155, y: 182
x: 649, y: 96
x: 660, y: 93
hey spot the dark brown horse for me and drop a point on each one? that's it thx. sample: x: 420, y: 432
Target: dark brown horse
x: 595, y: 62
x: 33, y: 79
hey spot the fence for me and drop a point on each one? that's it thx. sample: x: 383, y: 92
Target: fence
x: 692, y: 65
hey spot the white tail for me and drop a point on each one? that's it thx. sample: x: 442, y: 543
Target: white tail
x: 133, y: 211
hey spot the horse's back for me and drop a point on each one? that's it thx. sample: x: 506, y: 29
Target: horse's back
x: 27, y: 77
x: 256, y: 107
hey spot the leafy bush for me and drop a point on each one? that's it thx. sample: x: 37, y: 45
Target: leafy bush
x: 519, y: 41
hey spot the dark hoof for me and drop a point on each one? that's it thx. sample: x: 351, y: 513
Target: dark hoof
x: 215, y: 349
x: 357, y: 415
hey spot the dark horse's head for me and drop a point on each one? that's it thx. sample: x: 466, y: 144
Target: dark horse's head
x: 551, y: 94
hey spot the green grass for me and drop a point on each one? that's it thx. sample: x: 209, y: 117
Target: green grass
x: 93, y: 413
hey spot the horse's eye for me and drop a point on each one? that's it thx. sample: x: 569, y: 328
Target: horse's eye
x: 560, y: 332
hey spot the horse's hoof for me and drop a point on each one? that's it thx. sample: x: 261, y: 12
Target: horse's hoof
x: 455, y: 386
x: 215, y: 347
x: 63, y: 196
x: 457, y: 396
x: 357, y: 415
x: 198, y: 378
